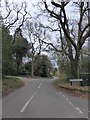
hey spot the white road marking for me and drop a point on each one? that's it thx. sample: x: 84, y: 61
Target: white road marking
x: 67, y: 99
x: 70, y: 103
x: 24, y: 107
x: 88, y: 118
x: 63, y: 95
x: 39, y: 85
x: 79, y: 110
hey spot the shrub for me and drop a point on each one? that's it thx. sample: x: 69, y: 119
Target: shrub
x: 63, y: 77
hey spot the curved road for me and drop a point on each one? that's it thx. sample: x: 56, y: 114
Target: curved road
x: 40, y: 99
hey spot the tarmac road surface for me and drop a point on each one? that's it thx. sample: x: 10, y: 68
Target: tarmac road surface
x: 40, y: 99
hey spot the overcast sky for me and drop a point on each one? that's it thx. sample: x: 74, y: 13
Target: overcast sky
x: 70, y: 9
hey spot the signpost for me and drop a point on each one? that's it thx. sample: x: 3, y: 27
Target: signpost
x: 76, y: 80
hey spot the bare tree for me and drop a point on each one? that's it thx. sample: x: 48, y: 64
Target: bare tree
x: 15, y: 15
x: 34, y: 33
x: 74, y: 43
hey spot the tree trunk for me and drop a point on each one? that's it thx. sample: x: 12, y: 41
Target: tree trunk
x: 18, y: 68
x: 18, y: 63
x: 32, y: 66
x: 75, y: 68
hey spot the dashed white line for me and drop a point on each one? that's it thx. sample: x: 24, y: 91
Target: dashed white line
x: 63, y: 95
x: 67, y: 99
x: 70, y: 103
x: 24, y: 107
x: 88, y: 118
x: 79, y: 110
x: 39, y: 85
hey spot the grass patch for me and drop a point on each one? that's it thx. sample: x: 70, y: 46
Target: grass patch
x: 74, y: 87
x: 9, y: 84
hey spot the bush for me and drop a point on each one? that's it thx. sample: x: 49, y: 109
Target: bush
x: 64, y: 77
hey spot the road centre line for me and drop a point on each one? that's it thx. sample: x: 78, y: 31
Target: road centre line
x: 24, y: 107
x: 39, y: 85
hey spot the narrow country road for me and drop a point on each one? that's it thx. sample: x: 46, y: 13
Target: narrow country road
x: 40, y: 99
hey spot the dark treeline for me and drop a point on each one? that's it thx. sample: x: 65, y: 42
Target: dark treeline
x: 13, y: 54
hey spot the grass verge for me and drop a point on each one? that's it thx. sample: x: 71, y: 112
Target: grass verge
x: 9, y: 84
x: 75, y: 89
